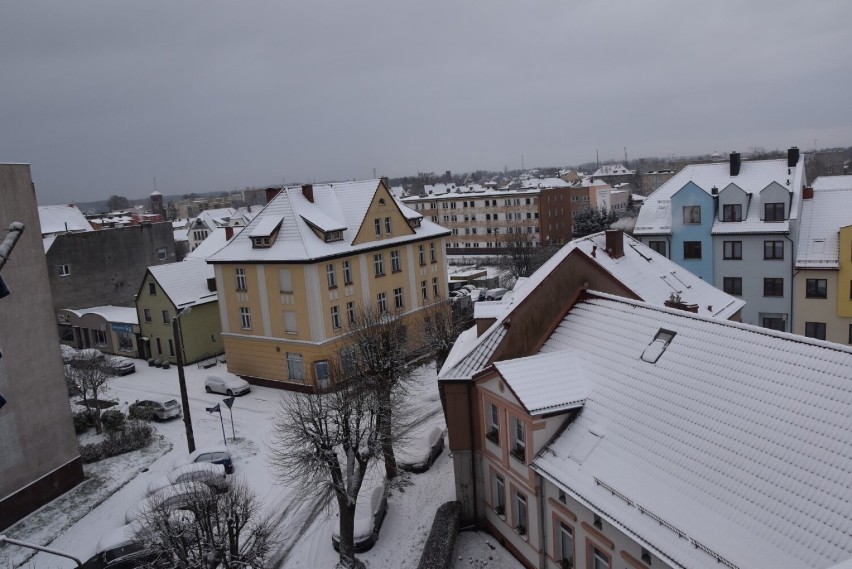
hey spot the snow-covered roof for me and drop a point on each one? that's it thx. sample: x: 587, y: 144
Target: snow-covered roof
x: 211, y: 244
x: 649, y: 275
x: 185, y: 283
x: 110, y: 313
x: 213, y: 218
x: 821, y: 219
x: 62, y: 219
x: 737, y: 437
x: 544, y: 183
x: 655, y: 217
x: 546, y: 383
x: 612, y: 170
x: 180, y: 235
x: 342, y: 204
x: 451, y: 191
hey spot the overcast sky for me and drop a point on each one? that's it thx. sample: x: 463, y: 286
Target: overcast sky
x: 101, y: 97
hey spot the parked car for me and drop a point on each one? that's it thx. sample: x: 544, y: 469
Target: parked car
x: 207, y: 473
x: 215, y: 455
x: 155, y: 407
x: 495, y: 293
x: 420, y: 451
x: 123, y: 366
x: 117, y: 549
x: 369, y: 515
x: 177, y: 497
x: 228, y: 385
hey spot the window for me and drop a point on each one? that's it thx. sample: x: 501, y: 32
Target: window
x: 850, y: 334
x: 240, y: 275
x: 562, y: 497
x: 432, y: 254
x: 733, y: 250
x: 321, y: 373
x: 773, y: 249
x: 395, y: 266
x: 378, y: 224
x: 171, y: 347
x: 499, y: 495
x: 147, y: 312
x: 388, y: 227
x: 99, y: 337
x: 815, y: 330
x: 657, y: 346
x: 162, y: 254
x: 435, y: 293
x: 816, y: 288
x: 152, y: 288
x: 733, y: 285
x: 773, y: 212
x: 166, y: 318
x: 397, y: 299
x: 347, y: 273
x: 333, y: 236
x: 159, y: 347
x: 493, y: 433
x: 295, y: 367
x: 290, y: 325
x: 424, y: 290
x: 774, y: 323
x: 330, y: 275
x: 597, y: 522
x: 65, y: 270
x: 350, y: 312
x: 519, y: 442
x: 773, y: 287
x: 245, y: 317
x: 732, y: 212
x: 520, y: 513
x: 382, y: 302
x: 599, y: 559
x: 379, y: 264
x: 335, y: 318
x: 421, y: 254
x: 285, y: 280
x: 658, y: 246
x: 566, y: 545
x: 692, y: 214
x: 692, y: 249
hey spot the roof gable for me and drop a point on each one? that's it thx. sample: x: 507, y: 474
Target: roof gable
x: 381, y: 206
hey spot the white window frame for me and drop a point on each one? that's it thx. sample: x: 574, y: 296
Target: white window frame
x: 330, y: 275
x: 398, y: 299
x: 335, y: 318
x: 240, y: 277
x: 350, y: 312
x: 295, y: 367
x: 347, y: 273
x: 521, y: 521
x: 245, y: 317
x: 395, y: 264
x: 388, y: 226
x: 379, y: 264
x: 519, y: 440
x: 382, y: 303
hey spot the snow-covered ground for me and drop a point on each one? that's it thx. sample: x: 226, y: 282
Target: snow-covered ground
x: 74, y: 524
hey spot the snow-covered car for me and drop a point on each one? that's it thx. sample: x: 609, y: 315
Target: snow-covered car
x: 369, y: 514
x: 214, y: 455
x: 176, y: 497
x: 228, y: 385
x: 421, y: 450
x: 68, y: 353
x: 205, y: 472
x: 495, y: 293
x: 122, y: 366
x: 118, y: 549
x: 155, y: 407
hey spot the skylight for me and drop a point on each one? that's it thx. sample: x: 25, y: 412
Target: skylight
x: 656, y: 348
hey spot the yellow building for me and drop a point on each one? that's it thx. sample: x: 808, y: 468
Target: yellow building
x: 316, y: 256
x: 822, y: 284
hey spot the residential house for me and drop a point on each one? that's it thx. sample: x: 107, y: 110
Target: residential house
x: 39, y: 457
x: 206, y: 222
x: 734, y: 224
x: 317, y: 256
x: 822, y: 286
x: 591, y: 430
x: 187, y: 291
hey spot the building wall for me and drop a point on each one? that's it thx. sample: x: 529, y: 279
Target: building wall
x: 825, y: 310
x: 83, y: 331
x: 106, y: 266
x: 39, y: 459
x: 844, y: 275
x: 692, y: 195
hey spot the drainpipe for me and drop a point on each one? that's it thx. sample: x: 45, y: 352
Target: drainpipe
x: 542, y: 518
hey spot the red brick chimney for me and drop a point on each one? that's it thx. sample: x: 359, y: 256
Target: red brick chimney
x: 229, y: 233
x: 271, y: 193
x: 615, y: 243
x: 308, y: 192
x: 808, y: 193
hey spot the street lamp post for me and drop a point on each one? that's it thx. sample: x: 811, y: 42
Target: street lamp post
x: 187, y: 419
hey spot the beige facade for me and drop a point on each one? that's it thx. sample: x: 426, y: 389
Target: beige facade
x: 282, y: 317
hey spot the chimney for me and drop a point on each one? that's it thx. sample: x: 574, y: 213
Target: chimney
x: 385, y: 181
x: 271, y: 193
x: 735, y: 163
x: 229, y: 233
x: 308, y: 192
x: 792, y: 156
x: 594, y: 250
x: 674, y: 301
x: 615, y: 243
x: 211, y: 284
x: 808, y: 193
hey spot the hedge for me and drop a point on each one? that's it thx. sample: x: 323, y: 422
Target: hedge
x: 438, y: 551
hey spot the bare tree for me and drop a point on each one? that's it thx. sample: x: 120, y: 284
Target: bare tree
x: 522, y: 256
x: 442, y: 323
x: 377, y: 350
x: 327, y: 442
x: 224, y: 530
x: 87, y: 375
x: 115, y: 203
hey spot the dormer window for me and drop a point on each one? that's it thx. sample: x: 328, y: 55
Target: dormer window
x: 333, y: 236
x: 732, y: 212
x: 773, y: 212
x: 264, y: 233
x: 656, y: 348
x: 414, y: 222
